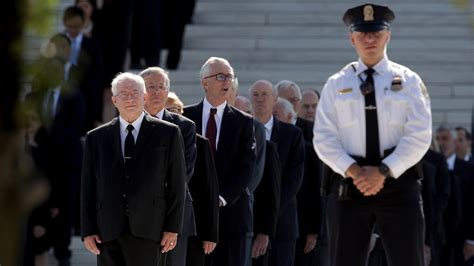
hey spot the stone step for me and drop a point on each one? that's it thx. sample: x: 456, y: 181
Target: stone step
x: 335, y: 43
x: 405, y: 8
x: 316, y: 31
x: 343, y: 56
x: 309, y: 18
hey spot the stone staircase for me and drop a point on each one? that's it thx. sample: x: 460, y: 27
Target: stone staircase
x: 306, y: 41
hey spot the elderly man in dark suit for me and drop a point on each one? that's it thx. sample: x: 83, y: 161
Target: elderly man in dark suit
x: 133, y: 182
x: 157, y: 85
x: 230, y: 133
x: 290, y: 143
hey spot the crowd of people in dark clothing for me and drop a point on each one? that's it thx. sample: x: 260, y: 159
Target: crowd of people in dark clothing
x: 66, y: 101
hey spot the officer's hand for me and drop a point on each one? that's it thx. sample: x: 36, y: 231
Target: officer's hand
x: 90, y: 242
x: 260, y: 245
x: 208, y: 246
x: 168, y: 242
x: 370, y: 182
x: 310, y: 244
x: 427, y: 253
x: 468, y: 251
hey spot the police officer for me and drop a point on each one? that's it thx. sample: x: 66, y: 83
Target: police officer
x: 373, y: 127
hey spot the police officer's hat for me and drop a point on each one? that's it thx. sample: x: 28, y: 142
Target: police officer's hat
x: 368, y: 18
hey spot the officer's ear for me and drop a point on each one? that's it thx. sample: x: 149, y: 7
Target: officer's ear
x: 389, y: 35
x: 351, y: 38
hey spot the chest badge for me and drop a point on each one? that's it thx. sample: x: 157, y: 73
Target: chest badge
x: 344, y: 91
x: 396, y: 84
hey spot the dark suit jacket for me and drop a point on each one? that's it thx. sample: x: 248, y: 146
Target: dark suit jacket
x: 307, y: 127
x: 465, y: 171
x: 261, y: 151
x: 150, y: 187
x: 267, y: 194
x: 59, y: 142
x: 205, y: 192
x: 428, y: 192
x: 89, y: 77
x: 308, y: 197
x: 290, y: 142
x: 442, y: 181
x: 188, y: 132
x: 235, y: 160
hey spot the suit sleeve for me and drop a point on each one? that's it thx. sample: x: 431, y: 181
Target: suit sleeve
x: 88, y: 194
x: 175, y: 184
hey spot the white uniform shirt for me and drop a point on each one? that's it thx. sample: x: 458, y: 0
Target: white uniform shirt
x: 404, y: 117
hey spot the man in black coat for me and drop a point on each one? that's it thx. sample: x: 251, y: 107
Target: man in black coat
x: 157, y: 87
x: 87, y: 67
x: 60, y: 107
x: 290, y: 142
x: 133, y: 182
x: 231, y: 135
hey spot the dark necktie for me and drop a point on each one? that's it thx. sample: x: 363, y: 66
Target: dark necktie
x: 129, y: 144
x: 371, y: 123
x: 211, y: 130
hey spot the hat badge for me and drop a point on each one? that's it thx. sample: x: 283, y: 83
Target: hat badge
x: 368, y: 13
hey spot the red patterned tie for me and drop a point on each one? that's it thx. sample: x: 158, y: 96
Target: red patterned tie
x: 211, y: 130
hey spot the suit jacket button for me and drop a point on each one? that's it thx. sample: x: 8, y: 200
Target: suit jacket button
x: 124, y: 195
x: 127, y: 177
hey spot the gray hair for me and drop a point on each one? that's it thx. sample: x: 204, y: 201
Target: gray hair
x: 283, y: 84
x: 140, y: 83
x: 205, y: 69
x: 262, y: 81
x: 156, y: 70
x: 288, y: 107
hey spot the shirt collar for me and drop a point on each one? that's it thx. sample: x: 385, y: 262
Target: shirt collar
x: 159, y: 115
x: 380, y: 67
x: 220, y: 108
x: 78, y: 38
x: 269, y: 125
x: 136, y: 124
x: 450, y: 161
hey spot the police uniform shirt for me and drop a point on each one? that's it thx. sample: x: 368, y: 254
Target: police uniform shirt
x: 403, y: 111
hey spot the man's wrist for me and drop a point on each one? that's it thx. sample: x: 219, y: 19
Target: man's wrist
x: 384, y: 170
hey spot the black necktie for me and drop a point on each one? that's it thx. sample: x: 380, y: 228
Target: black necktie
x: 211, y: 130
x: 371, y: 123
x: 129, y: 144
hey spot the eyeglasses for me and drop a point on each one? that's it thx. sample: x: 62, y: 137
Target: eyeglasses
x: 222, y: 77
x: 126, y: 96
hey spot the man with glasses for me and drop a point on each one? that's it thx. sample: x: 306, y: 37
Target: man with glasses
x: 129, y: 204
x: 373, y: 126
x: 157, y: 85
x: 230, y: 133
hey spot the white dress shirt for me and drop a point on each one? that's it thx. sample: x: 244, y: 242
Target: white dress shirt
x: 55, y: 93
x: 159, y: 115
x: 124, y: 132
x: 75, y: 48
x: 268, y: 128
x: 404, y: 117
x: 206, y: 110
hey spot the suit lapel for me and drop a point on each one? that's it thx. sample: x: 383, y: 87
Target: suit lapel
x: 196, y: 116
x: 167, y: 116
x: 114, y: 136
x: 226, y: 126
x: 275, y: 137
